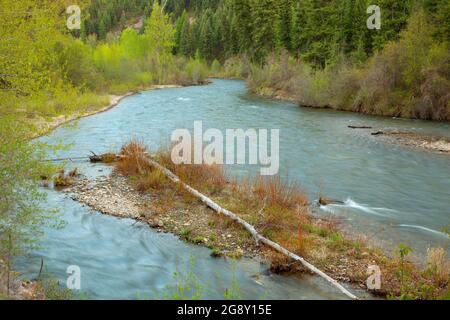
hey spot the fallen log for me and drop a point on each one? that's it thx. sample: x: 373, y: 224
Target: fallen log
x: 360, y: 127
x: 94, y: 158
x: 325, y: 202
x: 258, y: 238
x: 104, y: 158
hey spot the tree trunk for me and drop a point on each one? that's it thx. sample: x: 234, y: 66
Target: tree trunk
x: 258, y: 238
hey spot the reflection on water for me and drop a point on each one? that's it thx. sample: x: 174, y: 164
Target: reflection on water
x: 390, y: 193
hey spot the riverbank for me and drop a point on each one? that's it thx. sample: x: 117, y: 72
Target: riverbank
x: 18, y: 289
x: 40, y: 127
x: 143, y: 194
x: 44, y: 126
x: 410, y: 139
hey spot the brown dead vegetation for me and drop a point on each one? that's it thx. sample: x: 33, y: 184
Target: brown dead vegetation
x: 280, y: 212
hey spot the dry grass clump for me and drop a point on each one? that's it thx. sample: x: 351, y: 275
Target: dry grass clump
x: 151, y: 179
x: 204, y: 177
x: 276, y: 208
x: 276, y: 192
x: 437, y: 266
x: 133, y: 160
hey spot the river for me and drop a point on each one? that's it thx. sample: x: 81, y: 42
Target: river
x: 392, y: 194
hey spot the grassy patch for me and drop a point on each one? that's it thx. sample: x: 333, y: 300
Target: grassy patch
x: 186, y: 234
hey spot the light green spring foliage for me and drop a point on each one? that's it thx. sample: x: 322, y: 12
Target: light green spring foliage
x: 22, y: 214
x: 189, y: 287
x: 30, y: 82
x: 29, y: 33
x: 234, y: 292
x: 46, y: 72
x: 159, y: 32
x: 143, y: 59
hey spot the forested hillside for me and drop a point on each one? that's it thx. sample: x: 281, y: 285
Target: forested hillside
x: 320, y: 52
x: 318, y: 31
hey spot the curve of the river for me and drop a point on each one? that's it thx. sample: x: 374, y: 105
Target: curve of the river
x: 392, y: 194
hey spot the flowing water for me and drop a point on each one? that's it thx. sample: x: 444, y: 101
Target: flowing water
x: 392, y: 194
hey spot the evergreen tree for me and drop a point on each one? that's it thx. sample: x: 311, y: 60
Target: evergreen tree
x: 182, y: 20
x: 299, y: 31
x: 264, y: 36
x: 394, y: 16
x: 284, y: 26
x: 206, y: 36
x: 242, y: 23
x: 186, y: 47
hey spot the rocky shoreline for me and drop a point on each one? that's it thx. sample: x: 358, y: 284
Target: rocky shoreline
x: 167, y: 209
x: 113, y: 195
x: 192, y: 222
x: 115, y: 198
x: 415, y: 140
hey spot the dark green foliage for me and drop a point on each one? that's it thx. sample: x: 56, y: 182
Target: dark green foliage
x: 320, y: 32
x: 108, y: 15
x: 285, y: 23
x: 264, y: 22
x: 394, y: 16
x: 242, y: 23
x: 439, y: 11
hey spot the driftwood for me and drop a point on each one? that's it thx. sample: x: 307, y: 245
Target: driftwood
x: 105, y: 158
x: 378, y: 133
x: 258, y: 238
x: 66, y: 159
x: 360, y: 127
x: 325, y: 202
x: 94, y: 158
